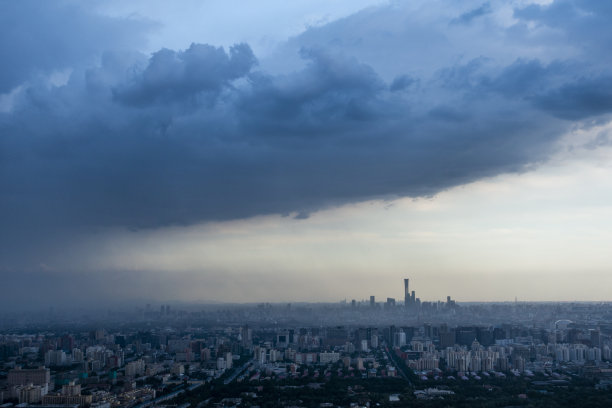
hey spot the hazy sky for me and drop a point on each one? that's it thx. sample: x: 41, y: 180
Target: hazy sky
x: 305, y: 150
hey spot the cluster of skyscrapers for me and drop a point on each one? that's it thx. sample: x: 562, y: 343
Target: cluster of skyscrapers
x: 410, y: 299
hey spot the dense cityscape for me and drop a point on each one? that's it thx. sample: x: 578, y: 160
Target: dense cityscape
x: 305, y: 203
x: 348, y: 354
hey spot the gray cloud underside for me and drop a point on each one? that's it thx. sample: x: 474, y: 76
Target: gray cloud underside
x: 204, y: 134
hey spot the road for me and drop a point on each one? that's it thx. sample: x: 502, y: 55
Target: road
x: 237, y: 372
x: 399, y: 367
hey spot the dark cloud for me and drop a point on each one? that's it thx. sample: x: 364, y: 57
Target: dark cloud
x: 179, y: 76
x: 523, y: 77
x: 203, y: 134
x: 327, y: 134
x: 579, y: 99
x: 582, y: 24
x: 556, y: 89
x: 464, y: 77
x: 401, y: 83
x: 39, y: 37
x: 331, y: 94
x: 553, y: 88
x: 469, y: 16
x: 448, y: 113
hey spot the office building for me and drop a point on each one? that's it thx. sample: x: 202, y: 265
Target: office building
x: 35, y: 376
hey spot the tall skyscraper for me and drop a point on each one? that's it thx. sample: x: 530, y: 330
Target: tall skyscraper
x: 406, y: 293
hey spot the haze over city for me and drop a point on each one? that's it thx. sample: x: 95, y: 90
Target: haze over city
x: 304, y: 151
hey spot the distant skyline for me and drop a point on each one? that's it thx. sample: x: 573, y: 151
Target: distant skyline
x: 305, y: 151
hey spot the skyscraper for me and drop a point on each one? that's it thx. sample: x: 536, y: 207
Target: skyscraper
x: 406, y: 293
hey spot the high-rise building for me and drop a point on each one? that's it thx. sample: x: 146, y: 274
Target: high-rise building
x: 335, y: 336
x: 135, y: 368
x: 71, y: 389
x: 400, y: 339
x: 372, y: 301
x: 246, y: 335
x: 55, y: 358
x: 406, y: 293
x: 77, y: 355
x: 36, y: 376
x: 228, y: 360
x: 28, y: 385
x: 29, y: 394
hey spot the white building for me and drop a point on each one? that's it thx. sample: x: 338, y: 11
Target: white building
x: 135, y: 368
x: 55, y: 358
x: 326, y: 358
x: 221, y: 363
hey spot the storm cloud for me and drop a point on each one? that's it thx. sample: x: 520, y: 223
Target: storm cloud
x: 205, y: 133
x: 178, y: 76
x: 37, y: 38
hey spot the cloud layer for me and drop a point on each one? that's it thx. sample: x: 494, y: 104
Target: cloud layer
x: 205, y: 133
x: 40, y: 37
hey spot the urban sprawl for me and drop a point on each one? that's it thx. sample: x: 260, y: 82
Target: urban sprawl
x: 348, y: 354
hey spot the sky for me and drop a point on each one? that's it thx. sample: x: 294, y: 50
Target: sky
x: 241, y: 151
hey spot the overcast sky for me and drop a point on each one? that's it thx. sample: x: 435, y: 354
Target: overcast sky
x: 305, y: 151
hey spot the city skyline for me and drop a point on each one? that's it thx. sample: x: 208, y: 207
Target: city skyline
x: 306, y: 152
